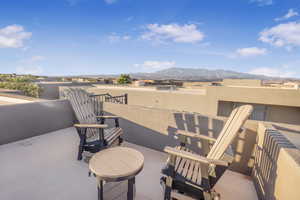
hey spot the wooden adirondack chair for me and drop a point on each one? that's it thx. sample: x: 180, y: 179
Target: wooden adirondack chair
x: 94, y: 134
x: 195, y: 175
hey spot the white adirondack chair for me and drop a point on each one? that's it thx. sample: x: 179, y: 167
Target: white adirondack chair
x: 195, y: 175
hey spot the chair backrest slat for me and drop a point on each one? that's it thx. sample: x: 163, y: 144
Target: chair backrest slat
x: 82, y: 104
x: 230, y: 130
x: 83, y: 108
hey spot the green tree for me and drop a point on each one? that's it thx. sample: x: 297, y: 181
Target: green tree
x: 124, y: 79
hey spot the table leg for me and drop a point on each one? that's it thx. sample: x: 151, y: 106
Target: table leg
x: 100, y: 190
x: 131, y: 183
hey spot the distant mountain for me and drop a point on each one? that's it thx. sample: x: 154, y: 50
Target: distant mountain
x: 191, y: 74
x: 195, y: 74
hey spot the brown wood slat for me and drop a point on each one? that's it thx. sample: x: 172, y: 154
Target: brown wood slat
x: 179, y: 196
x: 230, y: 130
x: 187, y: 164
x: 178, y: 159
x: 186, y: 168
x: 234, y: 130
x: 113, y: 135
x: 84, y: 110
x: 177, y: 162
x: 195, y: 172
x: 181, y: 166
x: 199, y: 175
x: 220, y: 137
x: 191, y: 170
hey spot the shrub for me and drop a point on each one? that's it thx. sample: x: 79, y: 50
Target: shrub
x: 20, y: 83
x: 124, y: 79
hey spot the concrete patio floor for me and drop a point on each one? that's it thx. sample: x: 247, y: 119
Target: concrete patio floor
x: 45, y: 167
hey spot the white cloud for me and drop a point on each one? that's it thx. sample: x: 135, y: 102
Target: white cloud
x: 73, y: 2
x: 291, y: 13
x: 13, y: 36
x: 287, y: 34
x: 126, y: 37
x: 128, y: 19
x: 117, y: 38
x: 262, y: 2
x: 155, y: 65
x: 251, y: 51
x: 32, y: 60
x: 273, y: 72
x: 114, y: 38
x: 110, y: 1
x: 37, y: 58
x: 33, y: 70
x: 187, y: 33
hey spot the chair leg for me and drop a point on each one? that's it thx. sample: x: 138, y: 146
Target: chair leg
x: 120, y: 140
x: 168, y: 188
x: 207, y: 196
x: 80, y: 148
x: 80, y: 151
x: 167, y: 193
x: 82, y: 136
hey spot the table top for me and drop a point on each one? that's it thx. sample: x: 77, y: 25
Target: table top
x: 116, y: 163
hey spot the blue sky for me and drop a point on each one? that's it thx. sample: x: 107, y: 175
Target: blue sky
x: 71, y: 37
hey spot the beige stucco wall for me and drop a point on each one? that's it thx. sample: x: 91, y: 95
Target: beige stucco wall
x: 154, y: 128
x: 284, y: 104
x: 187, y: 100
x: 242, y: 82
x: 281, y: 114
x: 258, y: 95
x: 276, y: 171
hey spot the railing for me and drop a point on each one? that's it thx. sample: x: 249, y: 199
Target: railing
x: 122, y: 99
x: 98, y: 98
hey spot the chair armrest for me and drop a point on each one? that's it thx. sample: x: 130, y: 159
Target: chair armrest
x: 90, y: 125
x: 195, y: 135
x: 102, y: 119
x: 108, y: 117
x: 193, y: 157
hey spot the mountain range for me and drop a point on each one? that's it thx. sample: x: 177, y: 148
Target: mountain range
x: 196, y: 74
x: 191, y: 74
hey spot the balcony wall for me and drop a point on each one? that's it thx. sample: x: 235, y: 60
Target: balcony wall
x: 155, y: 128
x: 20, y: 121
x: 276, y: 171
x: 276, y: 167
x: 50, y: 90
x: 283, y: 105
x: 184, y: 100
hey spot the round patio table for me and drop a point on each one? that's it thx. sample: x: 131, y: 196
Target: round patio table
x: 117, y: 164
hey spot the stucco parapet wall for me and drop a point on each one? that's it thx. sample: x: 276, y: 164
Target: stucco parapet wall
x: 107, y: 106
x: 21, y: 97
x: 259, y: 95
x: 201, y: 91
x: 277, y: 165
x: 24, y: 120
x: 155, y: 128
x: 265, y: 128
